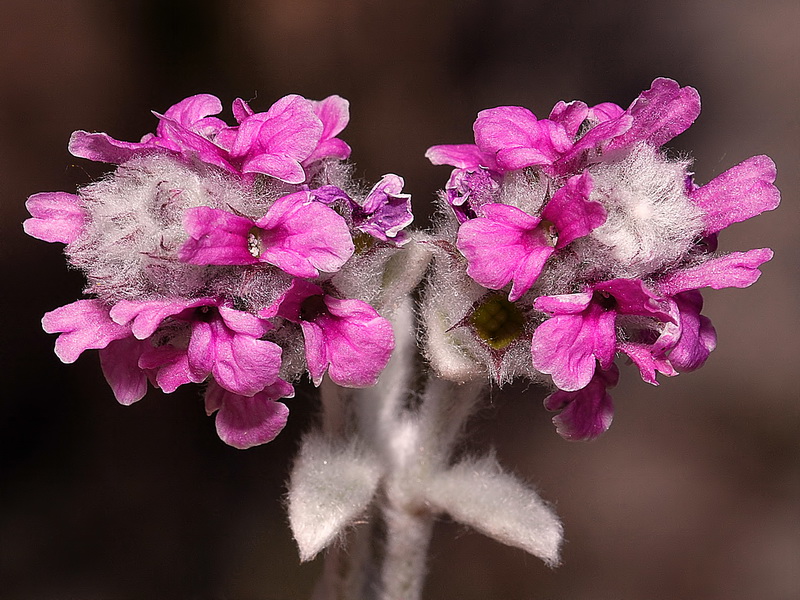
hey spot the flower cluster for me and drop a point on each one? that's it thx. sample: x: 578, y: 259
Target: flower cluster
x: 240, y: 256
x: 569, y: 240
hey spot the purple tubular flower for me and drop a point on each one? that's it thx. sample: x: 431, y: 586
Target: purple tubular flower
x: 346, y: 337
x: 244, y: 422
x: 508, y: 244
x: 585, y: 413
x: 583, y: 329
x: 692, y: 337
x: 298, y: 235
x: 386, y: 211
x: 192, y: 339
x: 56, y: 217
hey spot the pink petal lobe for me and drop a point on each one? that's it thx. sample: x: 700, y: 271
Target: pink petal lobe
x: 101, y: 147
x: 503, y: 245
x: 216, y: 237
x: 659, y: 114
x: 244, y: 364
x: 647, y: 361
x: 463, y: 156
x: 571, y: 211
x: 697, y: 335
x: 145, y: 317
x: 83, y: 325
x: 738, y: 194
x: 585, y: 413
x: 737, y: 269
x: 244, y: 422
x: 567, y: 346
x: 56, y: 217
x: 303, y: 237
x: 359, y: 341
x: 317, y: 357
x: 120, y: 363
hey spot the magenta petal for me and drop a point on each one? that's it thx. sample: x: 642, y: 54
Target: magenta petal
x: 697, y: 335
x: 570, y: 115
x: 317, y: 358
x: 463, y: 156
x: 632, y: 297
x: 243, y: 364
x: 244, y: 422
x: 145, y: 317
x: 275, y: 142
x: 571, y: 211
x: 588, y: 412
x: 659, y: 114
x: 566, y: 346
x: 192, y: 143
x: 241, y: 110
x: 170, y: 366
x: 289, y: 303
x: 647, y: 361
x: 120, y: 363
x: 191, y: 111
x: 563, y: 304
x: 216, y: 237
x: 334, y: 112
x: 239, y: 321
x: 388, y: 209
x: 101, y: 147
x: 739, y: 193
x: 518, y: 139
x: 303, y: 237
x: 359, y: 341
x: 83, y: 325
x: 278, y: 166
x: 737, y: 269
x: 57, y: 217
x: 503, y: 245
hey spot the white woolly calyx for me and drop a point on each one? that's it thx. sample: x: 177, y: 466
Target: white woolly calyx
x: 651, y: 222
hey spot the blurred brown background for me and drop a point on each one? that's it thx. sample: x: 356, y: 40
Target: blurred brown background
x: 694, y: 493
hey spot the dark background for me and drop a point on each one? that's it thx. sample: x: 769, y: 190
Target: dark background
x: 693, y: 493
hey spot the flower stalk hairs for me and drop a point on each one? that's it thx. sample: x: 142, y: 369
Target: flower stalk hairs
x: 244, y: 256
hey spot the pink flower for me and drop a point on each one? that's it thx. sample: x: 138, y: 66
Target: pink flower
x: 56, y: 217
x: 275, y: 142
x: 346, y: 337
x: 291, y: 135
x: 244, y: 422
x: 85, y: 325
x: 507, y: 244
x: 587, y: 412
x: 298, y: 235
x: 192, y: 339
x: 582, y: 331
x: 185, y: 128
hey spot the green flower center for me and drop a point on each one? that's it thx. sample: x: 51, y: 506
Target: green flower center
x: 497, y: 321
